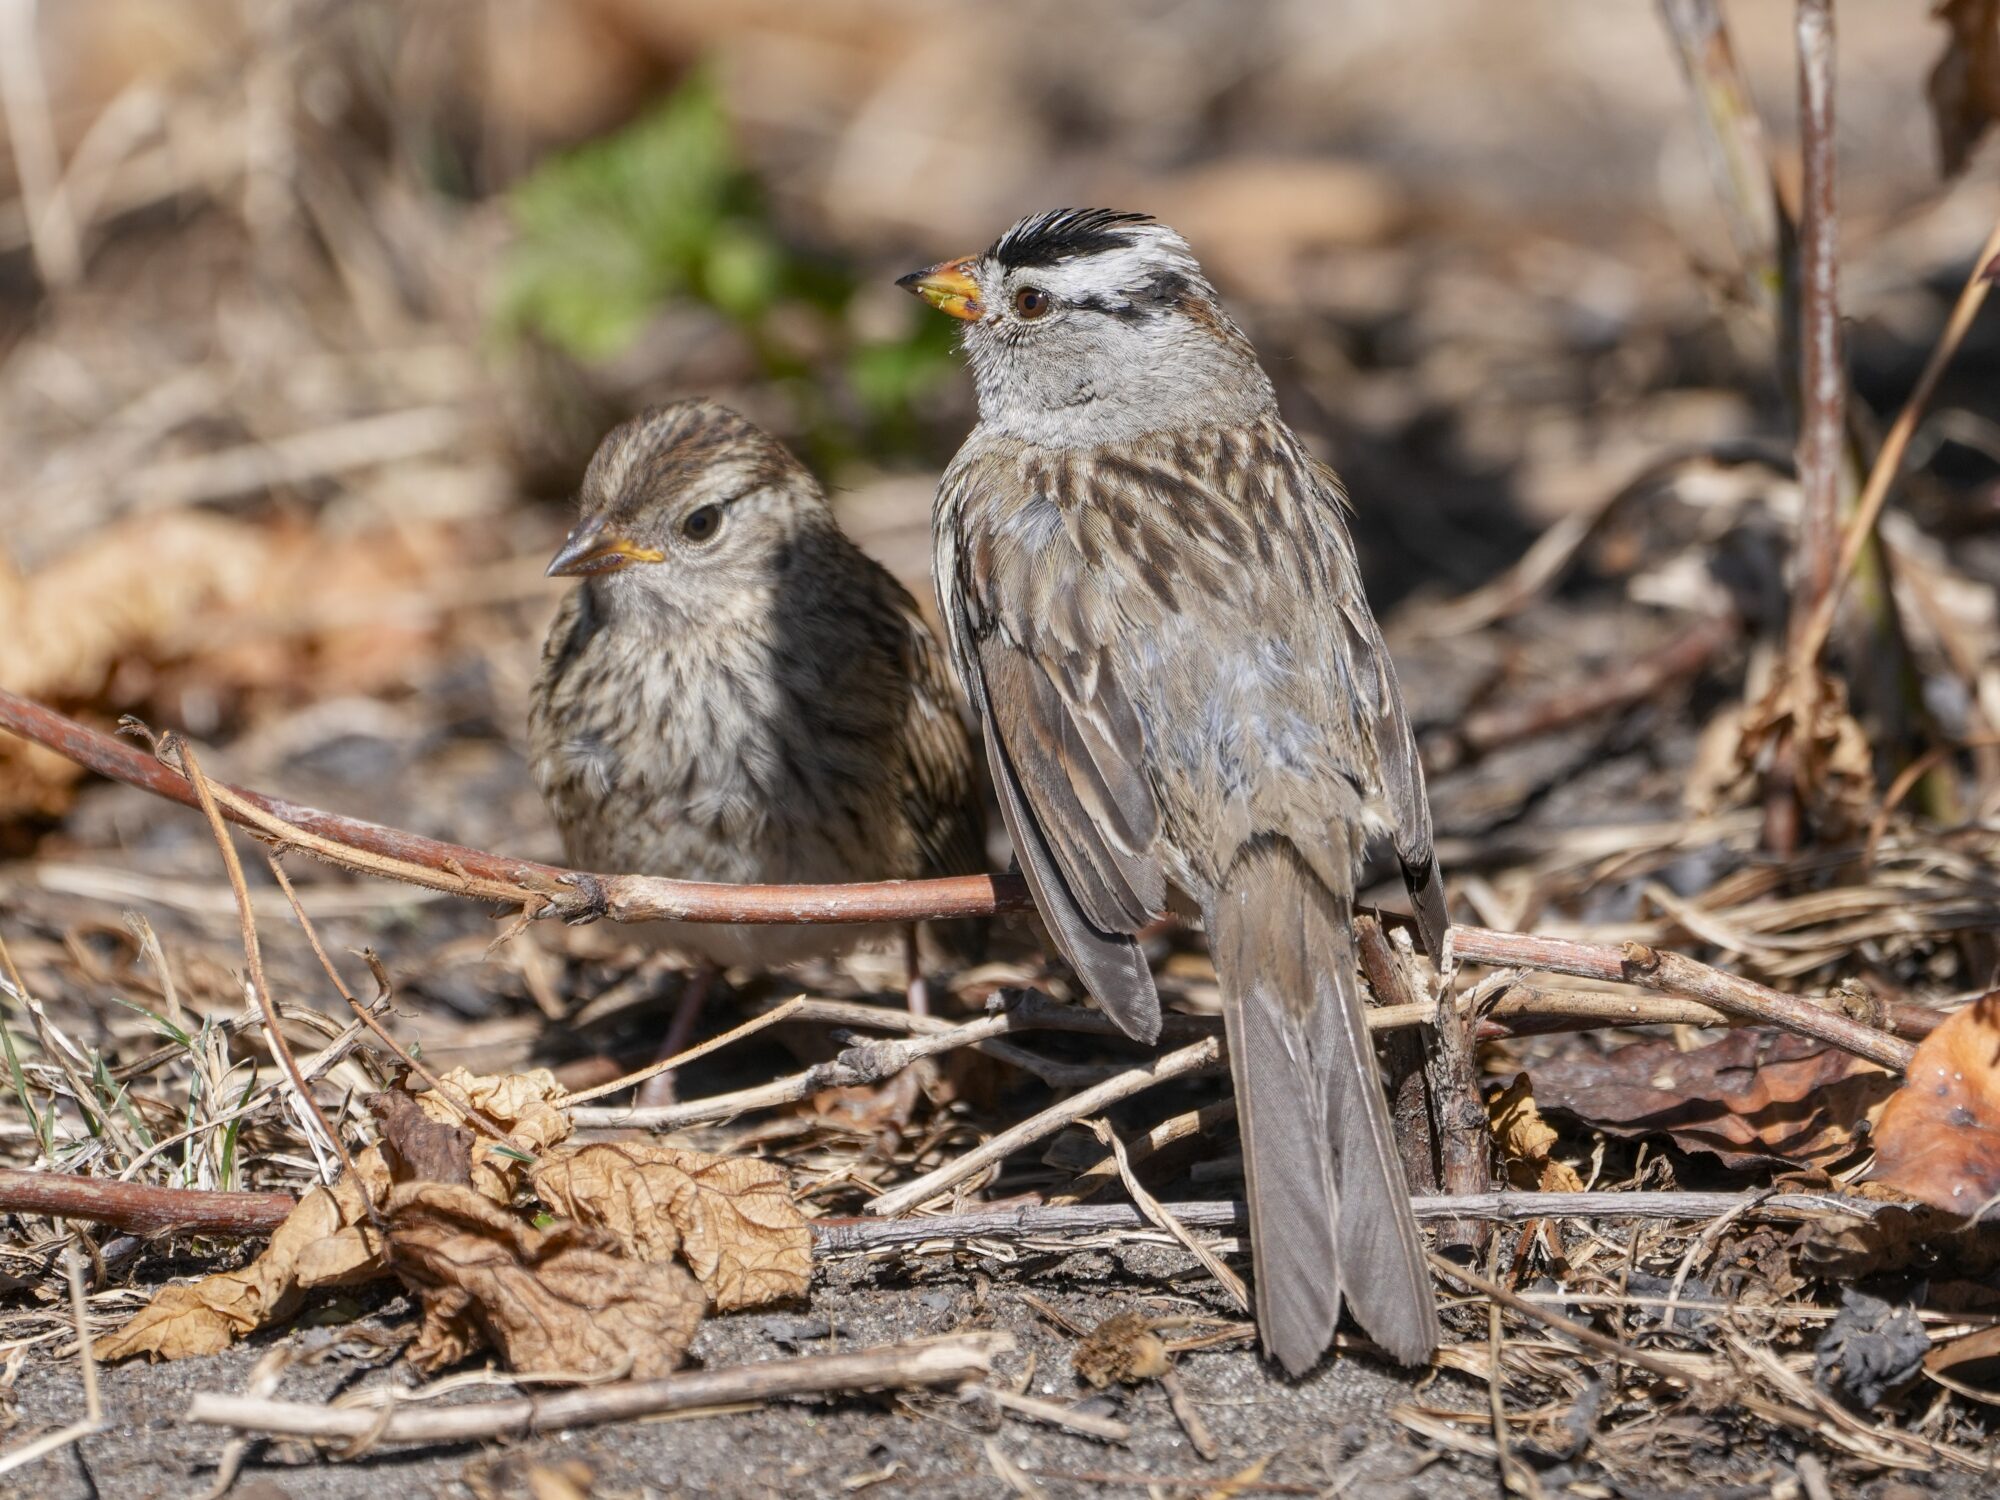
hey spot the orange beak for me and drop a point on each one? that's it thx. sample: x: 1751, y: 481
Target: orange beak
x: 590, y: 549
x: 948, y: 287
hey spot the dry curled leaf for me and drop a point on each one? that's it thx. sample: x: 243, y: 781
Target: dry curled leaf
x: 418, y: 1148
x: 1526, y: 1141
x: 1939, y: 1136
x: 558, y: 1299
x: 1964, y: 86
x: 324, y: 1241
x: 522, y: 1104
x: 1123, y: 1348
x: 1754, y: 1096
x: 732, y: 1219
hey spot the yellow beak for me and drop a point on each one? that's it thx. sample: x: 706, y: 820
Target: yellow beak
x: 590, y: 549
x: 948, y: 287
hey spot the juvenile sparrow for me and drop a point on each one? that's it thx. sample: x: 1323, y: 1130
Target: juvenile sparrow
x: 736, y: 692
x: 1153, y: 602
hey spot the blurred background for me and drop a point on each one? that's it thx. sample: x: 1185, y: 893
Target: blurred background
x: 311, y: 312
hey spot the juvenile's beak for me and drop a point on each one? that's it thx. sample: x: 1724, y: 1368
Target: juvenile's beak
x: 949, y: 287
x: 592, y: 549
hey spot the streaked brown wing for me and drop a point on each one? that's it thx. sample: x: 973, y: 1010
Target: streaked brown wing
x: 1381, y: 710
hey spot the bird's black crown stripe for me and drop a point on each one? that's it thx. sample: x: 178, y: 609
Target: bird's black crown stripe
x: 1045, y: 239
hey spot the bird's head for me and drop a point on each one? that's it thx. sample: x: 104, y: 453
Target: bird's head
x: 693, y: 509
x: 1087, y: 325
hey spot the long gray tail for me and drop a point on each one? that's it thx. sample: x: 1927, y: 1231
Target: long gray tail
x: 1329, y: 1206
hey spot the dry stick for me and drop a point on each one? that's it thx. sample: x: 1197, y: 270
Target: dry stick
x: 1822, y: 379
x: 370, y: 848
x: 137, y: 1208
x: 1458, y: 1119
x: 1582, y: 1333
x: 544, y: 890
x: 1106, y: 1170
x: 461, y: 1105
x: 1889, y: 459
x: 668, y: 1065
x: 1161, y: 1217
x: 93, y: 1400
x: 1733, y: 138
x: 949, y: 1361
x: 253, y: 954
x: 1411, y: 1105
x: 1172, y: 1065
x: 1676, y: 974
x: 852, y: 1068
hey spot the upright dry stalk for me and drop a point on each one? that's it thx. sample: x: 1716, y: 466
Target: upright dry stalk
x: 1733, y: 140
x: 1822, y: 377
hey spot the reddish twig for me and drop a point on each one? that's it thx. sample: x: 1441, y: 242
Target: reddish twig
x: 543, y: 890
x: 139, y: 1209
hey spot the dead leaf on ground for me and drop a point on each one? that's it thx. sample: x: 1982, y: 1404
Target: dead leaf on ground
x: 1964, y: 86
x: 522, y: 1104
x: 418, y: 1148
x: 324, y: 1241
x: 1755, y: 1096
x: 562, y: 1299
x: 732, y: 1219
x: 1939, y: 1136
x: 1526, y: 1141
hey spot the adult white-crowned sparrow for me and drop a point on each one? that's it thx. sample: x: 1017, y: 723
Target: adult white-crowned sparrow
x: 736, y: 692
x: 1153, y: 602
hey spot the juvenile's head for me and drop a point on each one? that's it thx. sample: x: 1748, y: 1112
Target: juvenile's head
x: 691, y: 508
x: 1087, y: 326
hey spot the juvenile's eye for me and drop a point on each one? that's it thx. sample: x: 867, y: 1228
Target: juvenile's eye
x: 1030, y: 302
x: 700, y: 523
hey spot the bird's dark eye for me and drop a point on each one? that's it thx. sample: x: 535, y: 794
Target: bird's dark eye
x: 1031, y: 302
x: 700, y: 523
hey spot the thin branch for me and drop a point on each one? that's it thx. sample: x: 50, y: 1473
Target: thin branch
x: 463, y: 1106
x: 1888, y: 464
x: 253, y: 955
x: 1032, y: 1221
x: 950, y: 1361
x: 1175, y: 1064
x: 1822, y: 376
x: 137, y: 1208
x: 1676, y: 974
x: 543, y: 890
x: 1733, y: 138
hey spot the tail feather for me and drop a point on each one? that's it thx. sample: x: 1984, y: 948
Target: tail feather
x: 1329, y: 1209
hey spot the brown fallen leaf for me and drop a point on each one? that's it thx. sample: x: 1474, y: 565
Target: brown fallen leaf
x: 324, y: 1241
x: 1526, y: 1141
x: 1964, y: 86
x: 1939, y: 1137
x: 732, y: 1219
x: 563, y: 1299
x: 418, y: 1148
x: 522, y: 1104
x: 1755, y: 1096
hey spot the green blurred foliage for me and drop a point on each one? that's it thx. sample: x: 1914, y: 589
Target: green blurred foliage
x: 610, y: 233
